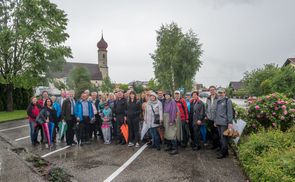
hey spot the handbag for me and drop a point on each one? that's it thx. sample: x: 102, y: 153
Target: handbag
x: 156, y: 117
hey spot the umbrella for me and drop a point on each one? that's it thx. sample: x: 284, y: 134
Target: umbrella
x: 145, y: 128
x: 63, y: 127
x: 124, y: 130
x: 46, y: 132
x: 51, y: 130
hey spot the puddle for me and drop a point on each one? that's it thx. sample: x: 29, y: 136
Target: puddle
x: 19, y: 150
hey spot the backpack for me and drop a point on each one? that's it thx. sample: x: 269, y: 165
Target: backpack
x: 234, y: 111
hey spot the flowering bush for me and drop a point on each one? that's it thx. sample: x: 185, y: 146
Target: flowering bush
x: 274, y: 110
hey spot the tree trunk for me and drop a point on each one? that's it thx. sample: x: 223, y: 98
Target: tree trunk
x: 9, y: 90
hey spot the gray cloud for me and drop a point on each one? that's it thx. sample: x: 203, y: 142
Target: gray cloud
x: 237, y: 35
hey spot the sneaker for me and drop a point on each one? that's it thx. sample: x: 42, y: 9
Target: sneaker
x: 137, y: 145
x: 46, y: 146
x: 130, y: 144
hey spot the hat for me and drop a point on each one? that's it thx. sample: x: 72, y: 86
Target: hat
x: 153, y: 94
x: 176, y: 92
x: 221, y: 90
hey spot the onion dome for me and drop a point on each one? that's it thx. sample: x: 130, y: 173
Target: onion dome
x: 102, y: 44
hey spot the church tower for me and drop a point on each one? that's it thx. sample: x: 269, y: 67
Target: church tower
x: 102, y: 46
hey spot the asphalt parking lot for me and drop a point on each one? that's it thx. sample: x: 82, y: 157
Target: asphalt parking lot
x: 97, y: 162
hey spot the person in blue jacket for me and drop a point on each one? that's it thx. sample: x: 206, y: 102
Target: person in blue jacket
x: 83, y: 113
x: 56, y: 106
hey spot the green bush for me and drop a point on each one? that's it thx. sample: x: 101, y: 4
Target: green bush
x: 269, y: 156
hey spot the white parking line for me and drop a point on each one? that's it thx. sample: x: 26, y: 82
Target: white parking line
x: 126, y: 164
x: 43, y: 156
x: 22, y: 126
x: 18, y: 139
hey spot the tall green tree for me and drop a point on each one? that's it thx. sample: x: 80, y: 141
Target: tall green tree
x: 153, y: 84
x: 284, y: 81
x: 176, y: 58
x: 32, y: 36
x: 79, y: 80
x: 107, y: 85
x: 257, y: 83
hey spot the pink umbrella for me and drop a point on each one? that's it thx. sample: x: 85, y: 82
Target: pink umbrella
x: 46, y: 132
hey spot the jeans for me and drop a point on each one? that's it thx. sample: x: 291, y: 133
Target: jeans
x: 204, y: 133
x: 32, y: 132
x: 155, y: 137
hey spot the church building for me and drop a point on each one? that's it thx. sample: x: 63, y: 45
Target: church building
x: 97, y: 71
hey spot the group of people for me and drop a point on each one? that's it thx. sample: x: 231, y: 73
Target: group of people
x: 161, y: 118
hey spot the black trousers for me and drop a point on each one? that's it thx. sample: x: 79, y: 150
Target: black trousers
x: 93, y: 130
x: 185, y: 132
x: 133, y: 129
x: 118, y: 123
x: 84, y: 129
x: 71, y: 130
x: 223, y: 139
x: 213, y: 134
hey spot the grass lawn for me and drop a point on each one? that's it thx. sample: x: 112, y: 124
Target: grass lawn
x: 10, y: 116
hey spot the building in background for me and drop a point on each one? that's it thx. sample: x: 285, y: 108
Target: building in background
x: 290, y: 61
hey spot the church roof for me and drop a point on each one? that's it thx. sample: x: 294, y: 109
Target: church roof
x: 95, y: 73
x: 102, y: 44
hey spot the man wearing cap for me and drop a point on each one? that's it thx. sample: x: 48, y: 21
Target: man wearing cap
x: 210, y: 115
x: 223, y: 120
x: 182, y: 107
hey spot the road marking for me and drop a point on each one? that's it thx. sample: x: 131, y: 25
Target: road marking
x: 18, y: 139
x: 43, y: 156
x: 126, y: 164
x: 22, y: 126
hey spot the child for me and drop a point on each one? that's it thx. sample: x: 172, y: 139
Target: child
x: 106, y: 123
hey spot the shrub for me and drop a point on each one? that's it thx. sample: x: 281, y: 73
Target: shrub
x: 269, y: 155
x: 274, y: 110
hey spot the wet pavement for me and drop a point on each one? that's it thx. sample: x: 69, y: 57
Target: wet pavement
x: 96, y: 162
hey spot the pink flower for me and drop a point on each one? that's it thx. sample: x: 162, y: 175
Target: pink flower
x: 257, y: 107
x: 285, y: 112
x: 267, y: 97
x: 284, y: 107
x: 273, y: 113
x: 274, y: 124
x: 276, y: 108
x: 282, y: 117
x: 292, y: 110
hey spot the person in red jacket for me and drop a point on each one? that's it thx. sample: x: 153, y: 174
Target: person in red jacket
x: 33, y: 111
x: 182, y: 106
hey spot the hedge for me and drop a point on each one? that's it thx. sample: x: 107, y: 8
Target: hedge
x: 21, y: 98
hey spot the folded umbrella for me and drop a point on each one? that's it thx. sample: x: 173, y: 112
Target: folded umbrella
x: 46, y: 132
x: 124, y: 130
x: 63, y: 127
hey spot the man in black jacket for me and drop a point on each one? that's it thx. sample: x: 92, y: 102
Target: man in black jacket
x: 68, y: 115
x: 119, y: 113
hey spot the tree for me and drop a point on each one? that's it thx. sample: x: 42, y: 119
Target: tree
x: 138, y: 88
x: 79, y: 80
x: 107, y: 85
x: 176, y: 58
x: 32, y: 36
x: 123, y: 86
x: 153, y: 85
x: 284, y: 81
x: 59, y: 84
x: 254, y: 81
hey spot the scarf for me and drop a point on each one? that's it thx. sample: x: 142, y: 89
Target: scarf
x: 171, y: 108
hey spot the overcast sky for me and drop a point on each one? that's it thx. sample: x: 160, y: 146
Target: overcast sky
x: 237, y: 35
